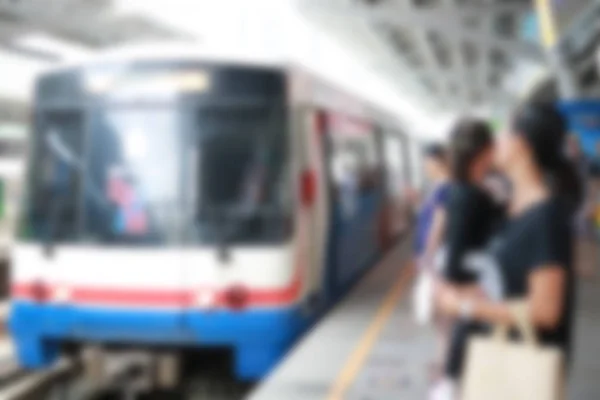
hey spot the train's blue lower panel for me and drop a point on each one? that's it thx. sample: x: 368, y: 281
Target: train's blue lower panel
x: 259, y: 337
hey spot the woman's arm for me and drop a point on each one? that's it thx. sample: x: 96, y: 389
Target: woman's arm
x: 545, y: 300
x: 546, y: 296
x: 436, y: 234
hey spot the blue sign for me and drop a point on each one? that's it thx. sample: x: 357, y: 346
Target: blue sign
x: 584, y: 121
x: 530, y: 27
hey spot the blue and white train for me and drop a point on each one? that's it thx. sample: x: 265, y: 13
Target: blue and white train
x: 179, y: 199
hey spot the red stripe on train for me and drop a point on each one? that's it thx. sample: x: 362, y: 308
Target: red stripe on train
x: 154, y: 297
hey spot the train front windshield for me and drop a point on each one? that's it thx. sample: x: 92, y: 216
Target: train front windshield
x: 160, y: 176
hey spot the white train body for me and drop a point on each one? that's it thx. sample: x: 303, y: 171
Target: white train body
x: 89, y: 266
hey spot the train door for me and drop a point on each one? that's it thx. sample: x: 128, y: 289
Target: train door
x: 356, y: 197
x: 312, y: 212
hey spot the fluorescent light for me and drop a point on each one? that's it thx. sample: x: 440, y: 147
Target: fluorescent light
x: 22, y: 72
x: 46, y: 43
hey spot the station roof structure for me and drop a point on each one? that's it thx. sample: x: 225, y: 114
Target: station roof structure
x: 464, y: 55
x: 37, y: 33
x: 445, y: 56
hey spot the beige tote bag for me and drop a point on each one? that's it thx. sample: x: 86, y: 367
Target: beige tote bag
x: 499, y: 369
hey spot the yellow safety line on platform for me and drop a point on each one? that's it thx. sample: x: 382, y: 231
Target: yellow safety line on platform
x: 358, y: 357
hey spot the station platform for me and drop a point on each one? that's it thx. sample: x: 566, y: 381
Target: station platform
x: 369, y: 347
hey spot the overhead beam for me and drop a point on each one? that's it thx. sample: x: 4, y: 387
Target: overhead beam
x: 10, y: 29
x: 30, y: 53
x: 56, y: 18
x: 87, y: 23
x: 433, y: 69
x: 483, y: 8
x: 435, y: 20
x: 389, y: 61
x: 478, y: 10
x: 455, y: 44
x: 484, y: 64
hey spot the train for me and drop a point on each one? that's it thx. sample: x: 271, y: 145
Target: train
x: 176, y: 199
x: 13, y: 144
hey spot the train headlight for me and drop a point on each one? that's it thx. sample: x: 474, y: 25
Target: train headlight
x: 308, y: 188
x: 236, y: 297
x: 39, y: 292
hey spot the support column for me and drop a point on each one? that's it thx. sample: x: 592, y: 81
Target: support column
x: 567, y: 83
x: 568, y: 87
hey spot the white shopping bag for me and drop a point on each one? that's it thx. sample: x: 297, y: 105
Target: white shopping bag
x: 500, y: 369
x: 423, y: 302
x: 424, y: 291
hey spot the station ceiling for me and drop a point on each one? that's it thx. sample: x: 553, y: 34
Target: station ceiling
x: 463, y: 55
x: 450, y: 55
x: 37, y: 33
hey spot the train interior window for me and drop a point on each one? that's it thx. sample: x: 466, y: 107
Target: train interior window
x: 416, y: 159
x: 354, y: 164
x: 393, y: 153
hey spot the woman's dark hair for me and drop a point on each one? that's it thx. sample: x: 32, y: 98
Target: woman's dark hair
x: 436, y: 152
x: 468, y: 139
x: 545, y: 130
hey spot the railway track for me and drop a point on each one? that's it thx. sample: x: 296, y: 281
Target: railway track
x: 19, y: 384
x: 126, y: 377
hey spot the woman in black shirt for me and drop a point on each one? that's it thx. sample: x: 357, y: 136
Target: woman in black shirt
x: 471, y: 216
x: 531, y: 258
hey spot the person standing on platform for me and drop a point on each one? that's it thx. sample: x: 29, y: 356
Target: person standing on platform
x: 472, y: 214
x: 431, y: 218
x: 531, y: 258
x: 430, y: 229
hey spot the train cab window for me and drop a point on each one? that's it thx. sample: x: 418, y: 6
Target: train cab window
x: 134, y: 185
x: 55, y: 178
x: 241, y: 181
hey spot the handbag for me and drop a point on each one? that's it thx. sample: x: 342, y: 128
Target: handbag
x: 423, y: 294
x: 499, y: 369
x: 423, y: 302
